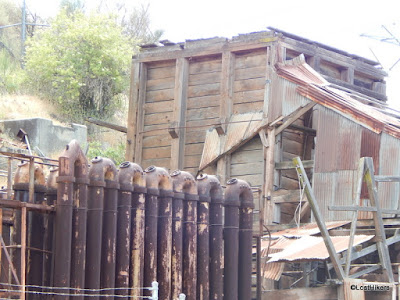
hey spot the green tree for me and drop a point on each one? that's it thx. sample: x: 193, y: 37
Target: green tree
x: 81, y: 61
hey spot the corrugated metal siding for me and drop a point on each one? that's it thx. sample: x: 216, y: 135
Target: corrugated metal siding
x: 326, y: 146
x: 344, y: 194
x: 388, y: 192
x: 276, y: 97
x: 348, y: 144
x: 293, y: 100
x: 324, y: 185
x: 370, y: 147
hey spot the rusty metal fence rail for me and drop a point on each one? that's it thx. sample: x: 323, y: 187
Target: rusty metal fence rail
x: 107, y: 232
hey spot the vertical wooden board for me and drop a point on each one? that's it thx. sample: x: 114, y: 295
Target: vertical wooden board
x: 324, y: 185
x: 133, y: 112
x: 326, y: 147
x: 179, y: 112
x: 140, y: 113
x: 389, y: 164
x: 276, y: 96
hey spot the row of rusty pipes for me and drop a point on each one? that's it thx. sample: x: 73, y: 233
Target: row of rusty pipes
x: 118, y: 231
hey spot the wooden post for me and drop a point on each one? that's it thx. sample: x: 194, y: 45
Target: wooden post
x: 9, y: 177
x: 353, y: 227
x: 23, y: 251
x: 180, y: 100
x: 319, y: 218
x: 132, y: 112
x: 31, y: 179
x: 380, y: 236
x: 226, y: 107
x: 140, y: 112
x: 269, y: 168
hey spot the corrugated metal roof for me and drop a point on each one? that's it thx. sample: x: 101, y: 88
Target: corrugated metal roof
x: 314, y: 87
x: 313, y: 248
x: 309, y: 229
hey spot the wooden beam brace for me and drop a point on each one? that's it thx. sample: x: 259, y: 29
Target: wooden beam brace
x: 381, y: 178
x: 365, y: 271
x: 319, y: 217
x: 107, y: 125
x: 132, y: 111
x: 294, y: 116
x: 180, y: 99
x: 288, y: 165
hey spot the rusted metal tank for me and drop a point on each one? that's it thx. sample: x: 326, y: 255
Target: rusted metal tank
x: 185, y: 182
x: 238, y: 240
x: 137, y: 232
x: 51, y: 198
x: 79, y: 225
x: 126, y: 177
x: 102, y: 196
x: 108, y: 248
x: 231, y: 238
x: 210, y: 190
x: 34, y: 229
x: 245, y: 239
x: 72, y: 165
x: 158, y: 233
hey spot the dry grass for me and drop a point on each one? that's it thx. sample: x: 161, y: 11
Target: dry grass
x: 13, y: 107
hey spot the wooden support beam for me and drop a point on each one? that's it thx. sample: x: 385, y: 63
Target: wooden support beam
x: 318, y: 217
x: 269, y: 168
x: 13, y: 271
x: 140, y: 113
x: 365, y: 271
x: 107, y: 124
x: 226, y: 108
x: 133, y: 111
x: 380, y: 231
x: 294, y: 116
x: 381, y: 178
x: 180, y: 100
x: 288, y: 165
x: 23, y: 252
x: 30, y: 206
x: 31, y: 179
x: 9, y: 177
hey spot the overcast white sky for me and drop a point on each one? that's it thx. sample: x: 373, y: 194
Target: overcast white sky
x: 337, y: 23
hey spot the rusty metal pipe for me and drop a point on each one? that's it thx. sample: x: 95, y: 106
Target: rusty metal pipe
x: 239, y: 234
x: 209, y: 186
x: 137, y: 232
x: 177, y: 239
x: 101, y: 225
x: 51, y: 198
x: 35, y: 224
x: 245, y: 239
x: 125, y: 176
x: 164, y: 235
x: 157, y: 179
x: 68, y: 172
x: 185, y: 182
x: 231, y: 238
x: 79, y: 217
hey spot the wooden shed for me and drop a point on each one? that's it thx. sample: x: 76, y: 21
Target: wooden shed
x: 244, y: 107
